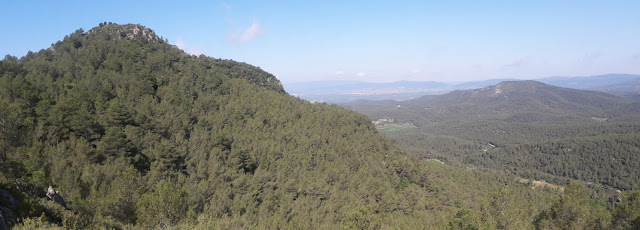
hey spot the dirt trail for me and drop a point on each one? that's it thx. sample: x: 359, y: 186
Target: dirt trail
x: 537, y: 183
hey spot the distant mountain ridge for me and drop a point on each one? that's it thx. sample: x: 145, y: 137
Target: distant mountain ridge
x: 480, y: 84
x: 527, y: 127
x: 347, y: 91
x: 628, y: 89
x: 517, y: 100
x: 590, y: 82
x: 339, y: 91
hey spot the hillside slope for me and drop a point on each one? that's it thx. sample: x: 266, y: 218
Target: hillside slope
x: 115, y: 129
x: 630, y: 88
x: 529, y: 128
x: 134, y: 132
x: 526, y: 101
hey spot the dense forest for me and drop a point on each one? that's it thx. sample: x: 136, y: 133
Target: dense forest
x: 529, y: 128
x: 115, y: 128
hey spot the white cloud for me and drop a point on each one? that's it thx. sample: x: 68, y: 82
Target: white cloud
x: 339, y: 72
x: 416, y: 71
x: 519, y: 62
x: 190, y: 50
x: 254, y: 31
x: 241, y: 35
x: 636, y: 56
x: 361, y: 74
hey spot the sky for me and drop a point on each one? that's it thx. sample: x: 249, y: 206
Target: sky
x: 375, y: 41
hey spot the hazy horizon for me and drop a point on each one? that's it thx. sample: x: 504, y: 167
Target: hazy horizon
x: 365, y: 41
x: 450, y: 82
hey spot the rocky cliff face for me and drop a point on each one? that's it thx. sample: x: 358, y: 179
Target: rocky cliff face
x: 128, y: 31
x: 55, y: 196
x: 8, y: 204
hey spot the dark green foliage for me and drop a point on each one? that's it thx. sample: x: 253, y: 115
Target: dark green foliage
x: 626, y: 214
x: 133, y: 132
x: 569, y: 211
x: 465, y: 219
x: 535, y: 131
x: 359, y: 218
x: 117, y: 115
x: 164, y: 207
x: 121, y: 202
x: 528, y: 128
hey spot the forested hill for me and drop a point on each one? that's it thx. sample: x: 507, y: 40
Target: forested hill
x: 529, y: 128
x: 628, y: 89
x: 133, y: 132
x: 136, y: 52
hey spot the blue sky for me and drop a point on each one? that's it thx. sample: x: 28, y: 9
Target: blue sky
x: 379, y: 41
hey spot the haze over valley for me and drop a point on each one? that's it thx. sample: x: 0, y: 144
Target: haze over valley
x: 625, y: 85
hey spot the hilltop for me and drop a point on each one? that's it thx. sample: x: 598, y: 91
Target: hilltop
x: 114, y: 128
x: 133, y: 132
x: 128, y: 31
x: 145, y: 49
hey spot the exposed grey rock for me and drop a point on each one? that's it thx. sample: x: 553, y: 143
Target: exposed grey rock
x: 3, y: 226
x: 7, y: 200
x: 7, y: 217
x: 128, y: 31
x: 55, y: 196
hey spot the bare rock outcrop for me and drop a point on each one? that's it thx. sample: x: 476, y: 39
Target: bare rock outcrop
x: 55, y: 196
x: 7, y: 217
x: 128, y: 31
x: 7, y: 200
x: 8, y: 203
